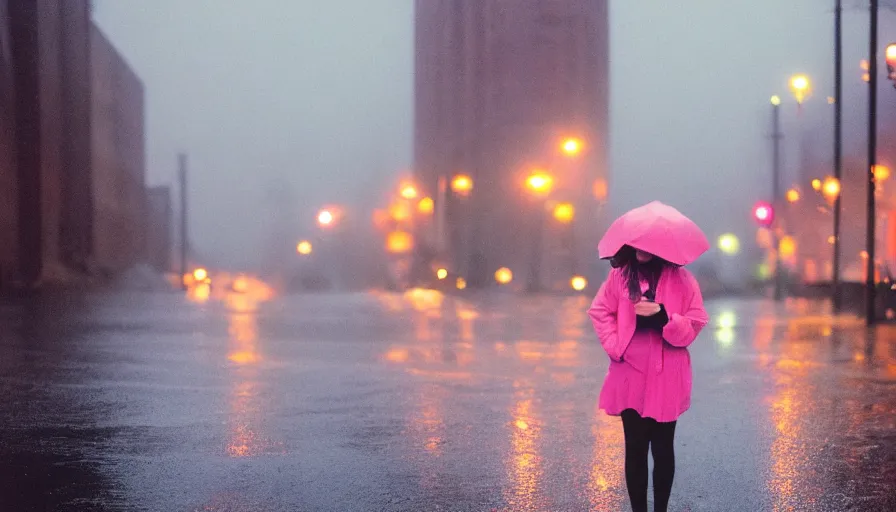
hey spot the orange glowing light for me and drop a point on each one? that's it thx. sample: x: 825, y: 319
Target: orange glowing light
x: 801, y: 87
x: 426, y: 206
x: 462, y: 184
x: 442, y: 273
x: 399, y: 242
x: 578, y: 283
x: 564, y: 213
x: 200, y: 274
x: 503, y: 275
x: 816, y: 184
x: 304, y: 248
x: 572, y: 146
x: 787, y: 247
x: 400, y: 211
x: 891, y: 53
x: 793, y: 195
x: 408, y: 191
x: 881, y: 172
x: 831, y: 188
x: 540, y: 183
x: 461, y: 283
x: 240, y: 284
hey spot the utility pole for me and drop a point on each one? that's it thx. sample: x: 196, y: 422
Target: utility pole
x: 870, y: 302
x: 836, y: 297
x: 184, y: 235
x: 776, y: 192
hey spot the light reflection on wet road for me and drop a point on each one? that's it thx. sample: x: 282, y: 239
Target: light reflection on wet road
x: 418, y: 401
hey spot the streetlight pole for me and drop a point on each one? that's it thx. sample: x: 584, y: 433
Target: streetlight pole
x: 776, y: 190
x: 184, y: 235
x: 836, y: 298
x: 870, y: 309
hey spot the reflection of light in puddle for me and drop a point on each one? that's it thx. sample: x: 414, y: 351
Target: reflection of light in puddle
x: 727, y: 320
x: 525, y: 468
x: 725, y: 336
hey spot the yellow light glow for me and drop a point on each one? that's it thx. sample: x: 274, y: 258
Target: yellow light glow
x: 241, y: 284
x: 831, y: 188
x: 793, y: 195
x: 881, y: 172
x: 572, y: 146
x: 540, y: 183
x: 200, y: 274
x: 787, y: 247
x: 503, y: 275
x: 801, y: 87
x: 304, y: 248
x: 832, y: 239
x: 578, y: 283
x: 399, y: 242
x: 400, y: 211
x: 462, y: 184
x: 891, y: 52
x: 776, y: 100
x: 461, y: 283
x: 426, y: 206
x: 816, y: 184
x: 408, y: 191
x: 729, y: 244
x: 564, y: 213
x: 442, y: 273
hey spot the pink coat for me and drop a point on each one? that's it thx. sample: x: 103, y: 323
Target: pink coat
x: 657, y: 385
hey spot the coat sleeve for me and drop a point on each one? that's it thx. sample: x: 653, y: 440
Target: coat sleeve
x: 683, y: 329
x: 603, y: 316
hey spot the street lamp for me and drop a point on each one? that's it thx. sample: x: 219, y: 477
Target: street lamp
x: 540, y: 183
x: 891, y: 62
x: 304, y: 248
x: 801, y: 87
x: 503, y: 275
x: 816, y: 185
x: 564, y: 213
x: 793, y: 195
x: 426, y: 206
x: 830, y: 189
x: 571, y: 146
x: 408, y: 191
x: 578, y: 283
x: 462, y: 184
x: 325, y: 217
x: 729, y: 244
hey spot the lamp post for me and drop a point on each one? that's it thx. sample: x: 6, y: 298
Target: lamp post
x: 539, y: 184
x: 776, y: 187
x: 870, y: 292
x: 836, y: 298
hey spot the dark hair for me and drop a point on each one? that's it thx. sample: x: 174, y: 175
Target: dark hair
x: 633, y: 270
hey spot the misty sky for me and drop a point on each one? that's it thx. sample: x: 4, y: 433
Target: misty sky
x: 312, y: 102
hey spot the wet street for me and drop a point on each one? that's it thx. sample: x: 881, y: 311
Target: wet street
x: 418, y: 401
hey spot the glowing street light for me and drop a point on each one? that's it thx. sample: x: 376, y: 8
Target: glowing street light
x: 831, y: 188
x: 426, y: 206
x: 801, y: 87
x: 200, y: 274
x: 462, y: 184
x: 572, y: 146
x: 729, y: 244
x: 881, y: 173
x: 787, y: 247
x: 408, y: 191
x: 325, y: 217
x: 540, y: 183
x: 793, y: 195
x: 461, y: 283
x: 399, y: 242
x: 503, y: 275
x: 442, y: 273
x: 564, y: 213
x: 816, y: 184
x: 776, y: 100
x: 578, y: 283
x: 304, y: 248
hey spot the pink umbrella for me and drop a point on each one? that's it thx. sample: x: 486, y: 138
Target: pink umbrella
x: 658, y: 229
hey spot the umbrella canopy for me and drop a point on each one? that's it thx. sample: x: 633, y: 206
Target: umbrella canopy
x: 656, y: 228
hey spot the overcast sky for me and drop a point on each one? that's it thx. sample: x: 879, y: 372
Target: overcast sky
x: 313, y: 99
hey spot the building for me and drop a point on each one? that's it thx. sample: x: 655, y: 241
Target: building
x: 71, y: 147
x: 44, y: 45
x: 158, y: 228
x: 497, y: 91
x: 119, y: 192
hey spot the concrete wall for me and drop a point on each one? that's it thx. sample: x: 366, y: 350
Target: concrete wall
x: 119, y: 193
x: 496, y: 91
x: 158, y: 229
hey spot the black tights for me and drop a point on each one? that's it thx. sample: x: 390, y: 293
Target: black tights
x: 642, y: 434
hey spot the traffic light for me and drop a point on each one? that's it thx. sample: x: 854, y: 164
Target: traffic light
x: 891, y: 63
x: 764, y: 214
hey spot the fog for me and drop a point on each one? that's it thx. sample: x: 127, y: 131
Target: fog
x: 283, y: 106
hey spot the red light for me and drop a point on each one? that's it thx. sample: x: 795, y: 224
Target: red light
x: 764, y: 214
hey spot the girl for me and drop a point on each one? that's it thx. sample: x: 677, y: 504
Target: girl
x: 646, y: 314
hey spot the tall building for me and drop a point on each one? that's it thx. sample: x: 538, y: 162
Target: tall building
x: 499, y: 86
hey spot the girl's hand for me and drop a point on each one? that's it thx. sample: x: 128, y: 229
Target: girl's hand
x: 646, y: 308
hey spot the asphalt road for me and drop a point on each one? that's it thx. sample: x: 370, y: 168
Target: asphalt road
x: 417, y: 402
